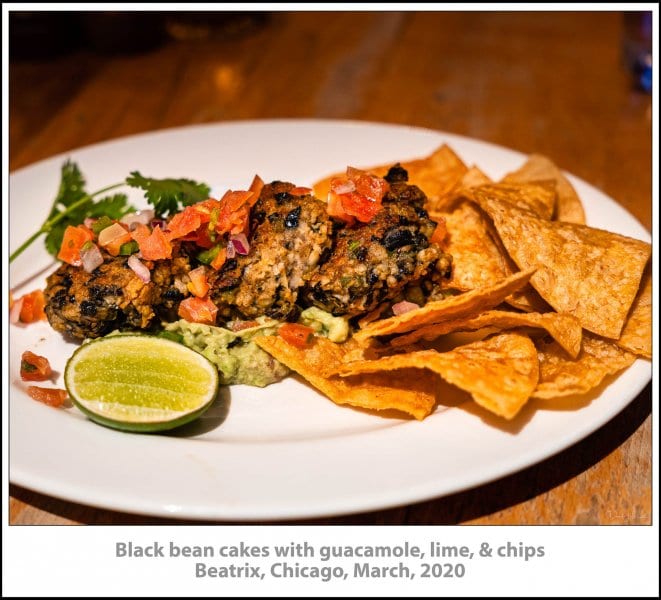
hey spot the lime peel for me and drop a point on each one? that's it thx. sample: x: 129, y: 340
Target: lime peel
x: 137, y: 382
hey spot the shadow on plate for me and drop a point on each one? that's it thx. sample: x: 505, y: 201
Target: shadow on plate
x: 210, y: 420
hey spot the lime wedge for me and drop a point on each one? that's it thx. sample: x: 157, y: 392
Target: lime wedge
x: 138, y: 382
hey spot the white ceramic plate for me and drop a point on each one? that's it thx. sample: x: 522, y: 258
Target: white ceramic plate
x: 283, y: 452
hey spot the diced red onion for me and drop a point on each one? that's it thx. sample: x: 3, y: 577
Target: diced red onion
x: 240, y: 242
x: 139, y: 268
x: 91, y: 258
x: 89, y: 221
x: 403, y: 307
x: 231, y: 250
x: 15, y: 312
x: 143, y: 217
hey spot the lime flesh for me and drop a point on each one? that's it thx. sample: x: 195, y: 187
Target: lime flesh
x: 140, y: 383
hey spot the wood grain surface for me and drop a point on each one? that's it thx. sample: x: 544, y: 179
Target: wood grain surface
x: 551, y: 83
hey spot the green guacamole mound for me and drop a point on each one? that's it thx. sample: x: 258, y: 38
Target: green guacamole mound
x: 238, y: 358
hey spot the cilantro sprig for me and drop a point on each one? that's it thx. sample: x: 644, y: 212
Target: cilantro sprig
x: 168, y: 195
x: 73, y: 204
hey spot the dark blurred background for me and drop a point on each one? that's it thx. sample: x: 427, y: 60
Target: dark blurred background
x: 35, y: 35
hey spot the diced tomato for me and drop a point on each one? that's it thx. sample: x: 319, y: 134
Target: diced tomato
x: 300, y: 191
x: 184, y: 223
x: 198, y: 310
x: 370, y: 186
x: 439, y: 233
x: 154, y: 245
x: 198, y: 284
x: 51, y: 396
x: 335, y: 209
x: 256, y: 187
x: 73, y: 240
x: 34, y: 367
x: 357, y: 205
x: 239, y: 220
x: 296, y: 334
x: 356, y: 196
x: 233, y: 200
x: 203, y: 237
x: 140, y: 233
x: 219, y: 260
x: 234, y: 215
x: 33, y: 307
x: 205, y: 208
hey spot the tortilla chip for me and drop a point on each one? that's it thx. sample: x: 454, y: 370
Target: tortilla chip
x: 637, y: 332
x: 499, y: 372
x: 406, y: 392
x: 474, y: 177
x: 452, y: 307
x: 537, y: 196
x: 565, y: 329
x: 586, y: 272
x: 478, y: 256
x: 476, y: 259
x: 559, y: 376
x: 569, y: 207
x: 436, y: 175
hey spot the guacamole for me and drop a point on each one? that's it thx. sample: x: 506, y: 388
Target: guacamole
x: 336, y: 329
x: 238, y: 358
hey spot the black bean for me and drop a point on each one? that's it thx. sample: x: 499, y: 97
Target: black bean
x: 396, y: 238
x: 87, y: 308
x: 404, y: 267
x: 281, y: 197
x: 360, y: 253
x: 318, y: 293
x: 291, y: 220
x: 325, y: 255
x: 173, y: 294
x: 257, y: 217
x: 396, y: 173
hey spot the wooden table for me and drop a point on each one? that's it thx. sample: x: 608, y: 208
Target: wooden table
x: 552, y: 83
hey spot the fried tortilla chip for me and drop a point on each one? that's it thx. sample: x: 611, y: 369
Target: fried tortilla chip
x: 537, y: 196
x: 469, y: 303
x: 499, y: 372
x: 569, y: 207
x: 474, y: 177
x: 405, y: 392
x: 436, y: 175
x: 637, y: 332
x: 560, y: 376
x: 565, y: 329
x: 586, y: 272
x: 477, y: 260
x: 478, y: 256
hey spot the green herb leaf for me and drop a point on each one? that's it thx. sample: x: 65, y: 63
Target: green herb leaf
x: 72, y: 188
x: 167, y: 196
x: 114, y: 207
